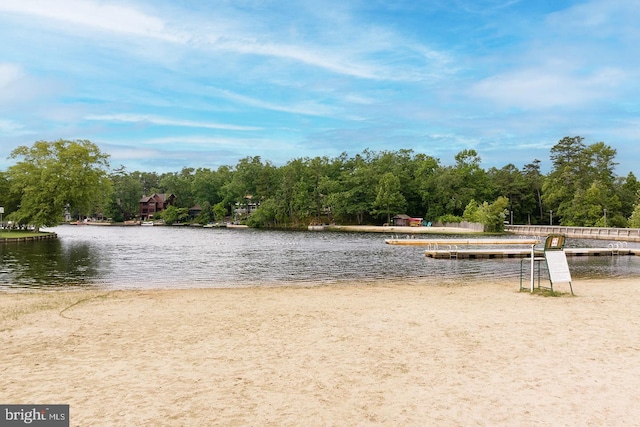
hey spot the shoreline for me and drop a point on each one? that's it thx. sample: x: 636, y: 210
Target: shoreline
x: 26, y: 238
x: 351, y: 354
x: 403, y: 229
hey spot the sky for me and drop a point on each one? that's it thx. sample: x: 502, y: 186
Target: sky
x: 162, y: 84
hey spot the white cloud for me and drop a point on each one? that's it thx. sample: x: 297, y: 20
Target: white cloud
x: 581, y: 57
x: 9, y: 73
x: 12, y: 128
x: 102, y: 16
x: 353, y: 54
x: 309, y: 108
x: 161, y: 121
x: 209, y: 141
x: 546, y: 87
x: 309, y: 55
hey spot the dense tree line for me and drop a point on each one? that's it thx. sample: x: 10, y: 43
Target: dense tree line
x: 580, y: 190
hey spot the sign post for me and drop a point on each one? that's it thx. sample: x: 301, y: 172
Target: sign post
x: 557, y: 260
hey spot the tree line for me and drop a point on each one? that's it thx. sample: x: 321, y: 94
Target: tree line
x: 370, y: 187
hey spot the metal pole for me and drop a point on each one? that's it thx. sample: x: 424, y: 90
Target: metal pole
x: 551, y: 217
x: 605, y: 218
x: 533, y: 252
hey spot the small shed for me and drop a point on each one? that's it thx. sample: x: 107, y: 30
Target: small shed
x: 402, y: 220
x: 194, y: 211
x: 415, y: 222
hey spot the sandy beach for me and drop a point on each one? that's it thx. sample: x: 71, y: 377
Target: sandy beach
x: 346, y: 355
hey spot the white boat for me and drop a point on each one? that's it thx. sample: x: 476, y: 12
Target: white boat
x: 146, y: 223
x: 317, y: 227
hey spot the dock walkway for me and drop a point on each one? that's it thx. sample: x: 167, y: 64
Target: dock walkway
x: 523, y: 253
x: 471, y: 241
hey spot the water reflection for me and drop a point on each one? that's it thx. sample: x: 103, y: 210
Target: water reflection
x: 47, y: 263
x: 159, y: 257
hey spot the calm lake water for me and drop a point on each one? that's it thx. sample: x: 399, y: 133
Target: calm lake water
x: 180, y: 257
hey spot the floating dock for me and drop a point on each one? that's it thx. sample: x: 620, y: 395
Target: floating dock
x: 448, y: 242
x: 497, y: 253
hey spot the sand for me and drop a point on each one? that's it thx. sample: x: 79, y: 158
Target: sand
x: 348, y: 355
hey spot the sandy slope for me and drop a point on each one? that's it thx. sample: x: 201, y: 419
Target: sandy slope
x: 385, y: 354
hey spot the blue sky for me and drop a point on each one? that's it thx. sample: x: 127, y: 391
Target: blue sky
x: 163, y: 84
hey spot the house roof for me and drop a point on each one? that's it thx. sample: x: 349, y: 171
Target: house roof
x: 160, y: 197
x: 402, y: 216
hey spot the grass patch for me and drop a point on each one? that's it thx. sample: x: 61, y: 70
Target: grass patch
x: 546, y: 292
x: 6, y: 234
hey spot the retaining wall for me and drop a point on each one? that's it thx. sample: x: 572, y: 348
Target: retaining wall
x: 599, y: 233
x: 28, y: 238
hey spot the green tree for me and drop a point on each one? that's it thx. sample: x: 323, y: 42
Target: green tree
x: 206, y: 214
x: 265, y: 215
x: 426, y: 172
x: 491, y: 215
x: 627, y: 189
x: 127, y: 191
x: 534, y: 180
x: 581, y: 175
x: 219, y: 211
x: 472, y: 212
x: 517, y: 187
x: 52, y: 176
x: 247, y: 179
x: 389, y: 199
x: 634, y: 219
x: 9, y: 201
x: 355, y: 190
x: 173, y: 214
x: 455, y: 186
x: 180, y: 185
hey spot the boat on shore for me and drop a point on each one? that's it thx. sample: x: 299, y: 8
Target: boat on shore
x: 215, y: 225
x: 317, y: 227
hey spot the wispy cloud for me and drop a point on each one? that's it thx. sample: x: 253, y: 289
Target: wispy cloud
x: 355, y: 59
x: 203, y: 140
x: 8, y: 74
x: 162, y: 121
x: 115, y: 18
x: 541, y: 87
x: 11, y: 128
x: 310, y: 108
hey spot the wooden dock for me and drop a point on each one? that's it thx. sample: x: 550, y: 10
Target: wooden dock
x: 498, y: 253
x: 468, y: 242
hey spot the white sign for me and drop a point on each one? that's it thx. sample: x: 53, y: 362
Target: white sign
x: 558, y: 266
x: 1, y: 209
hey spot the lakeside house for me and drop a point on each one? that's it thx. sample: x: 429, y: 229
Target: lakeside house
x: 194, y: 211
x: 403, y: 220
x: 150, y: 205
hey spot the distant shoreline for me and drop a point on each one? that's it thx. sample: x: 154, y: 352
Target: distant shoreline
x: 398, y: 229
x: 333, y: 227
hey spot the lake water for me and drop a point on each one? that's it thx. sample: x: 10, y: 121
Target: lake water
x: 179, y: 257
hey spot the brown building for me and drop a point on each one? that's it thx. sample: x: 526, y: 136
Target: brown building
x: 150, y: 205
x: 401, y: 220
